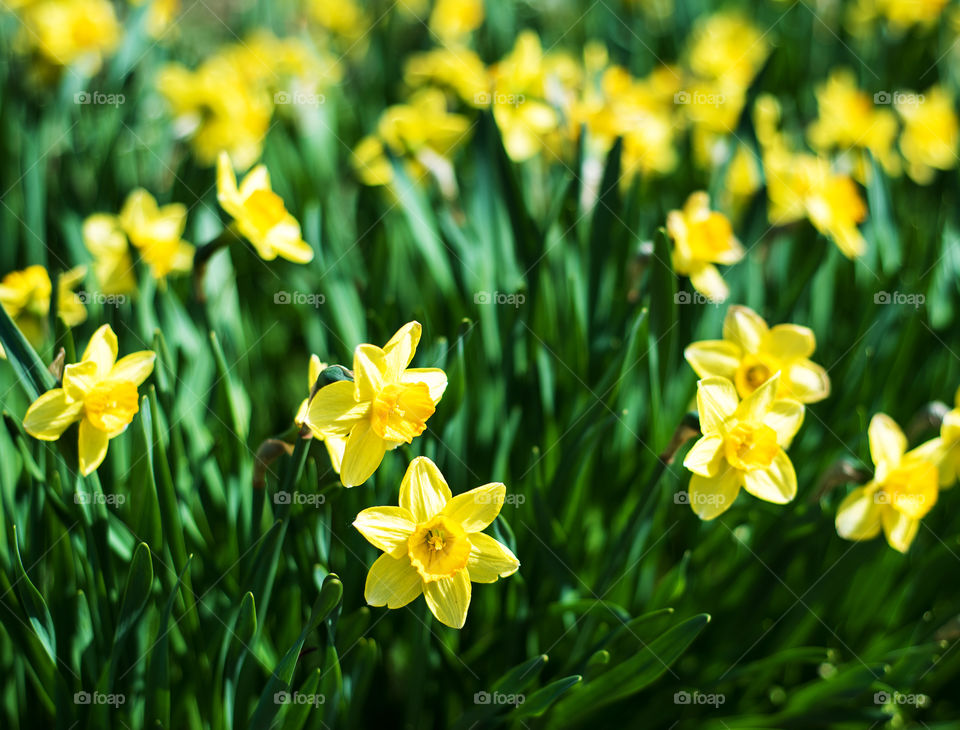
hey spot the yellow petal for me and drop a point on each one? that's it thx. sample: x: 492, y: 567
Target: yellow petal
x: 789, y: 342
x: 336, y: 445
x: 257, y: 179
x: 785, y: 417
x: 285, y: 239
x: 707, y: 280
x: 710, y: 497
x: 135, y: 367
x: 334, y: 410
x: 476, y: 509
x: 757, y: 405
x: 423, y: 491
x: 806, y: 381
x: 50, y: 414
x: 490, y: 559
x: 93, y: 447
x: 706, y: 456
x: 859, y: 514
x: 915, y: 486
x: 401, y: 349
x: 102, y: 349
x: 314, y: 369
x: 713, y: 358
x: 227, y: 193
x: 79, y: 378
x: 369, y: 368
x: 744, y: 328
x: 899, y: 529
x: 387, y: 528
x: 435, y: 379
x: 717, y: 400
x: 392, y: 582
x: 362, y: 455
x: 887, y: 442
x: 776, y: 483
x: 449, y: 598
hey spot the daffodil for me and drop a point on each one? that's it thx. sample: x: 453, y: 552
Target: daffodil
x: 930, y: 133
x: 742, y: 445
x: 25, y: 295
x: 903, y: 14
x: 451, y: 20
x: 313, y: 373
x: 99, y: 391
x: 433, y: 544
x: 702, y: 238
x: 459, y: 69
x: 71, y: 32
x: 259, y: 213
x: 112, y: 264
x: 156, y: 233
x: 750, y: 353
x: 725, y: 45
x: 944, y: 450
x: 388, y: 404
x: 902, y: 491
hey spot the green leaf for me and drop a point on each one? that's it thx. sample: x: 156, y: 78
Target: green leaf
x: 32, y: 373
x: 541, y: 700
x: 34, y: 605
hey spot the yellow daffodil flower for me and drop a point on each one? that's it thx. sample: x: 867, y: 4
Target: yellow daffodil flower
x: 343, y: 18
x: 313, y: 372
x: 902, y: 491
x: 702, y: 238
x: 25, y: 295
x: 903, y: 14
x: 68, y: 32
x: 156, y: 233
x: 944, y: 450
x: 259, y: 213
x: 387, y: 404
x: 727, y: 46
x: 99, y: 391
x: 112, y: 265
x: 742, y: 445
x: 459, y: 69
x: 433, y: 544
x: 451, y: 20
x: 930, y: 132
x: 750, y: 353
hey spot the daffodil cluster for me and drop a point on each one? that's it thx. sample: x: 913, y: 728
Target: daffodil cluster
x: 25, y: 295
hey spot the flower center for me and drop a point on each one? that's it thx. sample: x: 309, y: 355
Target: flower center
x: 111, y: 405
x: 265, y: 209
x: 749, y: 446
x: 438, y: 548
x: 400, y: 411
x: 751, y: 374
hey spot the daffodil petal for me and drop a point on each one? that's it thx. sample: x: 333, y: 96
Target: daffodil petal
x: 50, y: 415
x: 776, y: 483
x: 369, y: 370
x: 789, y: 342
x: 135, y: 367
x: 899, y: 529
x: 756, y: 405
x: 362, y: 455
x: 887, y: 442
x: 710, y: 497
x: 859, y: 515
x: 449, y: 598
x: 102, y: 349
x: 476, y: 509
x: 423, y: 490
x: 490, y: 559
x: 706, y: 455
x: 257, y: 179
x: 79, y: 378
x: 286, y: 240
x: 334, y: 409
x: 717, y: 400
x: 435, y: 379
x: 785, y: 417
x: 387, y: 528
x: 92, y: 447
x: 336, y: 445
x: 401, y: 349
x: 227, y: 193
x: 392, y: 582
x: 707, y: 280
x: 806, y: 381
x: 744, y: 328
x: 713, y: 358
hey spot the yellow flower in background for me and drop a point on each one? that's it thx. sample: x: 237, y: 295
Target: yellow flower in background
x: 944, y: 451
x: 751, y: 353
x: 388, y: 404
x: 726, y: 46
x: 99, y: 391
x: 156, y: 233
x: 160, y: 16
x: 343, y: 18
x: 742, y: 445
x: 904, y: 13
x: 259, y: 214
x: 68, y: 32
x: 743, y: 177
x: 433, y: 544
x: 902, y: 491
x: 451, y: 20
x: 459, y: 69
x: 112, y: 264
x: 702, y: 238
x: 25, y: 296
x: 930, y: 132
x: 316, y: 367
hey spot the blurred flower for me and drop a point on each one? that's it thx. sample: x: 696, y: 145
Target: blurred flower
x: 902, y: 491
x: 156, y: 233
x: 742, y: 445
x: 930, y: 132
x: 726, y: 46
x: 451, y: 20
x: 112, y: 265
x: 702, y: 238
x: 160, y: 16
x: 944, y: 451
x: 388, y: 404
x: 459, y: 69
x: 99, y: 391
x: 259, y: 214
x: 433, y: 544
x: 743, y: 178
x: 750, y: 353
x: 25, y: 296
x: 904, y: 13
x: 71, y: 32
x: 345, y: 19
